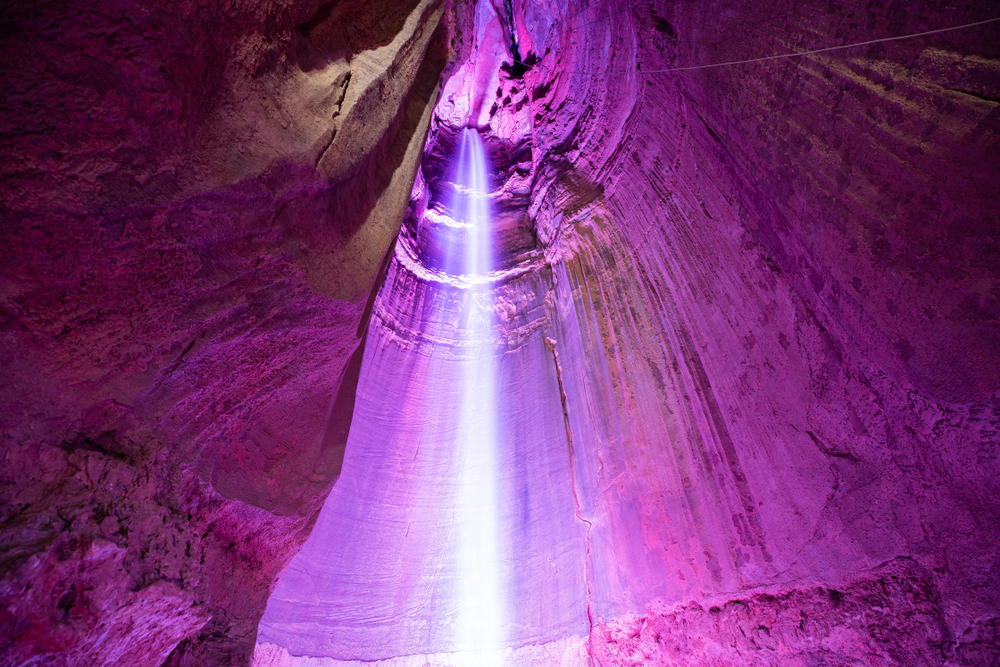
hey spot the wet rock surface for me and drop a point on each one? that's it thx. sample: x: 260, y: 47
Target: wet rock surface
x: 753, y: 260
x: 183, y: 279
x: 751, y: 322
x: 730, y: 260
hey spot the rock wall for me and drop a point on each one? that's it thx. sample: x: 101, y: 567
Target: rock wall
x: 752, y: 292
x: 777, y: 303
x: 763, y: 297
x: 196, y: 200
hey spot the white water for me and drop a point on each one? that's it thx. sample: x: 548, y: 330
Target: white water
x: 480, y: 617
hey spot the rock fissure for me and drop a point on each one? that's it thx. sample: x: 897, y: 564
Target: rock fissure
x: 551, y: 343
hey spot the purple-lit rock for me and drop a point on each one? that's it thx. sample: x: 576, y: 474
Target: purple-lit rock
x: 191, y: 225
x: 737, y: 419
x: 748, y: 317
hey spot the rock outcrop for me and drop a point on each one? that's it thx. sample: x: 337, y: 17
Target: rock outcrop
x: 748, y: 316
x: 197, y: 197
x: 785, y: 272
x: 750, y: 369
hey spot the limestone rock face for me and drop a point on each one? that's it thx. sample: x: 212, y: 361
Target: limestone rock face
x: 764, y: 268
x: 771, y: 278
x: 196, y: 200
x: 755, y: 307
x: 744, y: 320
x: 792, y: 627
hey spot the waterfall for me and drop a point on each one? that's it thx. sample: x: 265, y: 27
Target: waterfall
x: 450, y: 538
x: 480, y: 598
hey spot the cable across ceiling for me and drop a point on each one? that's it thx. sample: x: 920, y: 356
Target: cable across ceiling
x: 781, y: 56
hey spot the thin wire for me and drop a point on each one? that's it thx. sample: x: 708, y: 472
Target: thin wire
x: 778, y: 57
x: 829, y: 48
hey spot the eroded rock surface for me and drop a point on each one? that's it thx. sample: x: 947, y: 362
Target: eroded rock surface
x: 769, y: 268
x: 891, y: 616
x: 752, y: 293
x: 749, y: 322
x: 183, y: 279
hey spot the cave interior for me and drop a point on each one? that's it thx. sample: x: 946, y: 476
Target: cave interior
x: 485, y: 333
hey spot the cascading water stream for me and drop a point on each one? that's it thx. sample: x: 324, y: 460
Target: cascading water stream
x: 416, y: 550
x: 480, y: 613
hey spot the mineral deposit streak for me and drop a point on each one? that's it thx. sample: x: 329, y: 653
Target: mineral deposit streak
x: 480, y: 611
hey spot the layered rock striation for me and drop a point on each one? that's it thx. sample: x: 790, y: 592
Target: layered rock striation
x: 746, y: 323
x: 196, y: 200
x: 776, y: 307
x: 756, y: 304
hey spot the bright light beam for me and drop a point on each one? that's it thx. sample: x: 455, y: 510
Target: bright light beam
x: 480, y: 619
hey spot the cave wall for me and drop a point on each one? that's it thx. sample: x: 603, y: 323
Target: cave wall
x: 764, y: 296
x: 197, y: 197
x: 785, y: 275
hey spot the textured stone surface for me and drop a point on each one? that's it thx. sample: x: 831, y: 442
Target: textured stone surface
x: 749, y: 319
x: 892, y: 616
x: 768, y: 296
x: 183, y: 279
x: 762, y: 284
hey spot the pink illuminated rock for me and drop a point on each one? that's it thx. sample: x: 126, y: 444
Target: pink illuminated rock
x: 892, y: 615
x: 737, y: 418
x: 196, y: 200
x: 745, y: 321
x: 748, y: 306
